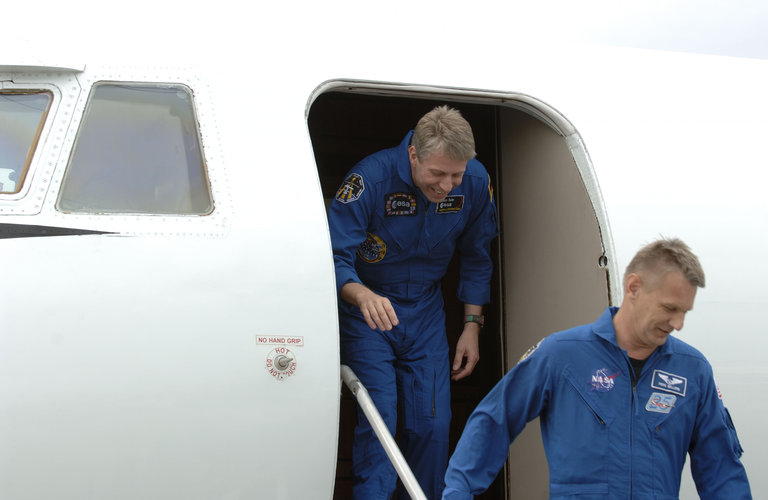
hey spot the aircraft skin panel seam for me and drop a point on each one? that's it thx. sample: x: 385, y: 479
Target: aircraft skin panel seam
x: 30, y: 231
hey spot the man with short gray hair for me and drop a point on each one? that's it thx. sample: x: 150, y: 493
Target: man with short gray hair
x: 621, y: 402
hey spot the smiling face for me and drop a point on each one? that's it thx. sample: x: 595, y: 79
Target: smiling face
x: 437, y: 175
x: 657, y: 307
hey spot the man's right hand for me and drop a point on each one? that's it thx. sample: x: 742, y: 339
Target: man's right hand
x: 377, y: 310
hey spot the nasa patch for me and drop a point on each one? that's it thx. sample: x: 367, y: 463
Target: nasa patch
x: 602, y: 380
x: 668, y: 382
x: 450, y: 204
x: 373, y: 249
x: 661, y: 402
x: 400, y: 204
x: 351, y: 189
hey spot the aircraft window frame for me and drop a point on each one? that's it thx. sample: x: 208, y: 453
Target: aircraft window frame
x: 148, y: 114
x: 32, y: 136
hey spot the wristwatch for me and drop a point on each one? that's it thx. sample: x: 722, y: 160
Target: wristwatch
x: 475, y: 318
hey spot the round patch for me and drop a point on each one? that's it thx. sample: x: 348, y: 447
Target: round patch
x: 602, y: 380
x: 372, y: 249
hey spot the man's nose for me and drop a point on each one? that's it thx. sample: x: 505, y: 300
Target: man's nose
x: 677, y: 321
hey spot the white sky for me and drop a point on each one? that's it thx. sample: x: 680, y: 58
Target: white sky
x: 734, y: 28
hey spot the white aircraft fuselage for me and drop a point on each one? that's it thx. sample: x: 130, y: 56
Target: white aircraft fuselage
x: 168, y: 324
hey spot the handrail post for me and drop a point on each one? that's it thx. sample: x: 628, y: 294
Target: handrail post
x: 380, y: 428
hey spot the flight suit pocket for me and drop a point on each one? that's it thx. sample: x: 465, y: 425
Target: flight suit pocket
x: 583, y: 436
x: 589, y: 402
x: 669, y: 418
x: 736, y: 445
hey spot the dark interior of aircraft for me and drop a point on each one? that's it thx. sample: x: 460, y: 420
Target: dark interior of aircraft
x: 549, y: 264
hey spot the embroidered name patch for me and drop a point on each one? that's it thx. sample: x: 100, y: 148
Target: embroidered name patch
x: 373, y: 249
x: 450, y: 204
x: 661, y: 402
x: 668, y: 382
x: 602, y: 380
x: 400, y: 204
x: 351, y: 189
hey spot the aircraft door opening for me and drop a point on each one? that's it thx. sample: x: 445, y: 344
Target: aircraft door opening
x: 549, y: 259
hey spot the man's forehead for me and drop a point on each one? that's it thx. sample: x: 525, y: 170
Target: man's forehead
x: 674, y: 287
x: 440, y: 161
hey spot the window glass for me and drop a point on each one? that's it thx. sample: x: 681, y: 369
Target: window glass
x: 22, y: 114
x: 137, y: 151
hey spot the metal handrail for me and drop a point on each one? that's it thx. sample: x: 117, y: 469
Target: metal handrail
x: 380, y: 428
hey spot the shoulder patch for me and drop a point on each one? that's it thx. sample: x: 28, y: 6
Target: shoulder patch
x: 530, y: 351
x: 400, y: 204
x: 490, y: 188
x: 450, y: 204
x: 351, y: 189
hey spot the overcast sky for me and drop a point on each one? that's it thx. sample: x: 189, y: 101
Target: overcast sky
x: 734, y: 28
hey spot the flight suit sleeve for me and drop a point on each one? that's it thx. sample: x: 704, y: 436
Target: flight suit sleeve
x: 474, y: 247
x: 715, y: 450
x: 519, y: 397
x: 348, y: 219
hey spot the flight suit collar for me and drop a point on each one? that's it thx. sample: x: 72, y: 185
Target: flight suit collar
x: 603, y: 328
x: 404, y: 166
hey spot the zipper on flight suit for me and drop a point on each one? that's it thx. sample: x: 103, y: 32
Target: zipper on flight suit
x: 635, y: 407
x: 632, y: 411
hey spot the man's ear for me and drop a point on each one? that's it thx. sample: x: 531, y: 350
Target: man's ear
x: 632, y: 285
x: 412, y: 154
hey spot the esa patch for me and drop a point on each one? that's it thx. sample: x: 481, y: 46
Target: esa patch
x: 373, y: 249
x: 450, y: 204
x: 668, y: 382
x: 400, y: 204
x: 351, y: 190
x: 602, y: 380
x: 661, y: 402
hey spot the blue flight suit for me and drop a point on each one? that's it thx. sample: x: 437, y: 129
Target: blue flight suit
x: 389, y: 237
x: 606, y: 435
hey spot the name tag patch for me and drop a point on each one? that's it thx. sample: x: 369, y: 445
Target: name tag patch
x: 450, y: 204
x: 669, y: 382
x: 660, y: 402
x: 400, y: 204
x: 351, y: 189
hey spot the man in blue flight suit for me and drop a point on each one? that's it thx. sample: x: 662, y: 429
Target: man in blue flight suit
x: 621, y: 402
x: 395, y: 223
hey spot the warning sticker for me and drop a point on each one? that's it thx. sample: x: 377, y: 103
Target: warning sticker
x: 279, y: 340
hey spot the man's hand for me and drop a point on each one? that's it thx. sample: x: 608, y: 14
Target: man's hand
x: 377, y: 310
x: 467, y: 352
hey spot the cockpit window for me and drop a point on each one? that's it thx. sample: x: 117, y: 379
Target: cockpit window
x: 22, y: 115
x: 137, y: 151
